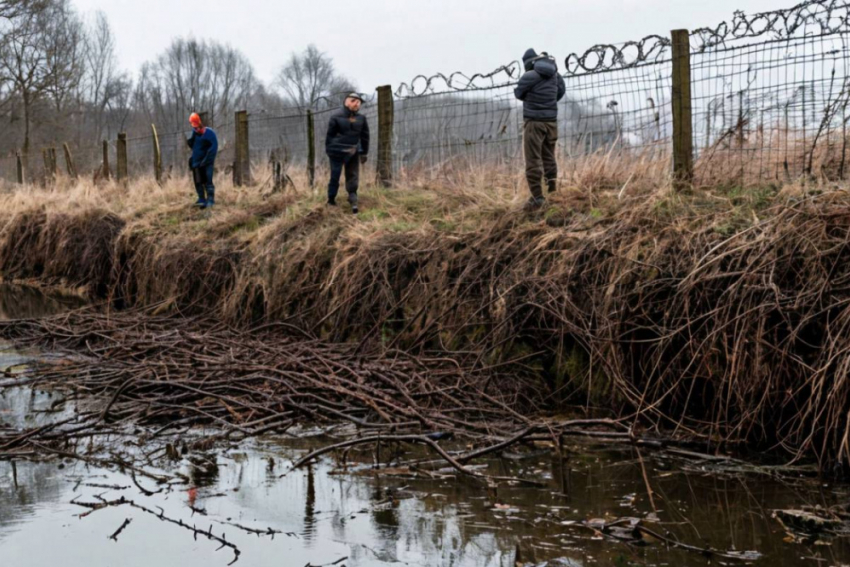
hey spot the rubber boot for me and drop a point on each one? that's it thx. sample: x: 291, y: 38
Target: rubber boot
x: 210, y: 198
x: 553, y: 185
x: 352, y: 198
x: 202, y: 198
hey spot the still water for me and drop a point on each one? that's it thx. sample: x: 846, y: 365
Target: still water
x: 323, y: 515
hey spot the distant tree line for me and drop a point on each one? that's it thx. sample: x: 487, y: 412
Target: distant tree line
x: 60, y: 80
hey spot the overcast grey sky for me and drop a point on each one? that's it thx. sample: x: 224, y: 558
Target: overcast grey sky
x: 377, y: 42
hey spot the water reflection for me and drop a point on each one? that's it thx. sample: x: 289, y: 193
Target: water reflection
x: 375, y: 520
x: 38, y: 485
x: 24, y: 302
x: 310, y: 506
x: 203, y: 470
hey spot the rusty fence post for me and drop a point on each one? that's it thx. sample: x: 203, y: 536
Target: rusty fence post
x: 121, y: 157
x: 386, y: 117
x: 20, y: 169
x: 69, y: 162
x: 157, y: 156
x: 49, y: 155
x: 311, y: 148
x: 242, y: 165
x: 683, y: 143
x: 105, y: 165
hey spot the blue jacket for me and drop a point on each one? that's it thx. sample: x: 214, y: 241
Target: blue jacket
x: 204, y: 148
x: 540, y: 88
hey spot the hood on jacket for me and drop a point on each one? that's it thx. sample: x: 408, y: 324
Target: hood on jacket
x: 546, y: 67
x: 527, y: 59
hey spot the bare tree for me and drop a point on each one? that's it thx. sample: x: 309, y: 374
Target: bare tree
x: 39, y: 57
x: 310, y: 78
x: 192, y: 76
x: 63, y: 41
x: 105, y: 88
x: 10, y: 9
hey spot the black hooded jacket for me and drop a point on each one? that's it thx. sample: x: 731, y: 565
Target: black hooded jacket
x: 540, y: 88
x: 348, y: 135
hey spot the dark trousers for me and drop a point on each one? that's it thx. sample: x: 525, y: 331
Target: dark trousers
x: 203, y: 178
x: 539, y: 141
x: 351, y: 165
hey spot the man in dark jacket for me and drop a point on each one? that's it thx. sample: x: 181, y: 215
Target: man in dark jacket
x: 540, y: 89
x: 347, y: 146
x: 204, y: 144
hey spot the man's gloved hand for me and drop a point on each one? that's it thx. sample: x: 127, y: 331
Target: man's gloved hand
x: 364, y: 158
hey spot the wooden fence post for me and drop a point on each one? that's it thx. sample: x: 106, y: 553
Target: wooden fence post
x: 105, y: 165
x: 242, y: 165
x: 386, y: 116
x: 683, y: 143
x: 49, y: 155
x: 121, y: 156
x: 157, y: 156
x: 20, y: 170
x: 69, y: 162
x: 311, y: 148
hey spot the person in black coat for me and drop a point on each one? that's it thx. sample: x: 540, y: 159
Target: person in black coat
x: 347, y: 146
x: 540, y: 89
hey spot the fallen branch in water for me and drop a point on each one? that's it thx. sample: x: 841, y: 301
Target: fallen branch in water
x: 95, y: 506
x: 157, y: 372
x: 631, y: 530
x: 114, y: 536
x: 423, y: 439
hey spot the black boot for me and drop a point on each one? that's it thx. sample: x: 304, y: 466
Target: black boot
x: 553, y: 185
x: 534, y: 204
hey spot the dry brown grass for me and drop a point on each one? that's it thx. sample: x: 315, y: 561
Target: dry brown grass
x: 719, y: 313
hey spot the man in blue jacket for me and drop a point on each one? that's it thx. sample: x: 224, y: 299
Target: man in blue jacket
x: 347, y: 146
x: 204, y: 144
x: 540, y: 89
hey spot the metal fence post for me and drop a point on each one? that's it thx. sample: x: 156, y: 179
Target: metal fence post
x: 242, y: 166
x: 69, y: 162
x: 386, y: 116
x: 683, y: 143
x: 121, y: 157
x: 311, y: 148
x: 157, y: 156
x: 105, y: 165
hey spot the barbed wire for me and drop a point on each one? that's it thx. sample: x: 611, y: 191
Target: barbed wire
x: 609, y: 57
x: 814, y: 17
x: 458, y: 82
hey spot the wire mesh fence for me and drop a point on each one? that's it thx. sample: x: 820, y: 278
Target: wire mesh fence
x: 8, y: 170
x: 453, y: 122
x: 283, y: 137
x: 769, y: 104
x: 771, y: 94
x: 618, y: 101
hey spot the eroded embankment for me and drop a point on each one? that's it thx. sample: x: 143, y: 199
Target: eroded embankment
x: 703, y: 321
